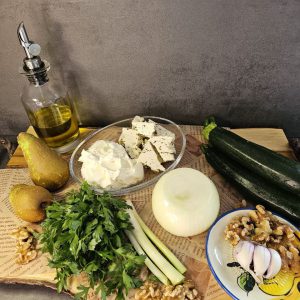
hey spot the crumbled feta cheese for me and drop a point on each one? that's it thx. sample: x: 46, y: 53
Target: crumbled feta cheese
x: 132, y: 141
x: 149, y: 158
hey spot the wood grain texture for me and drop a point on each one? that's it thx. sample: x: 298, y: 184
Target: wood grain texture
x: 271, y: 138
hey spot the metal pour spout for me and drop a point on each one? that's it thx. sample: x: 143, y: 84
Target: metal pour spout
x: 33, y: 66
x: 31, y: 49
x: 23, y: 38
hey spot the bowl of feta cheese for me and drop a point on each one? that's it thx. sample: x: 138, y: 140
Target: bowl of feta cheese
x: 128, y: 155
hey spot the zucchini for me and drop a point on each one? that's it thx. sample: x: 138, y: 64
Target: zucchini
x: 254, y: 188
x: 280, y: 170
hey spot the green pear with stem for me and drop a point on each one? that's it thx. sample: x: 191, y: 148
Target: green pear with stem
x: 47, y: 168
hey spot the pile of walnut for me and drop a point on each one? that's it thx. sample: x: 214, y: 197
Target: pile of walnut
x: 151, y: 290
x: 262, y: 227
x: 27, y: 245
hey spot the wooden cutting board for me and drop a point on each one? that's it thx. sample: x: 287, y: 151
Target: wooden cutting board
x: 271, y: 138
x: 193, y: 249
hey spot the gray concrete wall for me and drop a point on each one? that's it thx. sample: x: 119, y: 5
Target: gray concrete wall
x: 238, y: 60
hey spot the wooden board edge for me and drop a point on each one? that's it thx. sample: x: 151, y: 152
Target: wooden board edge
x: 41, y: 283
x: 17, y: 160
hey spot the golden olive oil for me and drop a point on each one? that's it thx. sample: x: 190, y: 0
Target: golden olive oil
x: 55, y: 124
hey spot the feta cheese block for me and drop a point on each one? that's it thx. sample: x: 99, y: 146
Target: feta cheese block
x: 149, y: 158
x: 149, y: 142
x: 137, y: 119
x: 163, y: 144
x: 160, y: 130
x: 166, y: 156
x: 144, y: 128
x: 132, y: 141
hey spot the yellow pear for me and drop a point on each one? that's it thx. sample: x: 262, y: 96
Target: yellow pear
x: 28, y: 202
x: 46, y: 167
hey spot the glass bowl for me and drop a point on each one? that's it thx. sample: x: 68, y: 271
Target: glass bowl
x: 112, y: 133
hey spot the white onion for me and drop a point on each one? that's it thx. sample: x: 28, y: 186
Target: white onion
x: 185, y: 202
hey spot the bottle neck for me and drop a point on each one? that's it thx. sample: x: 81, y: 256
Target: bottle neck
x: 36, y: 71
x: 38, y: 78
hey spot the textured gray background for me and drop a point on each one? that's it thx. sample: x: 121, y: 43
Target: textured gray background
x: 238, y: 60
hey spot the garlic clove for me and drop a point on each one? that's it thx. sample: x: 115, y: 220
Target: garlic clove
x: 243, y: 253
x: 275, y: 264
x: 258, y: 279
x: 261, y: 260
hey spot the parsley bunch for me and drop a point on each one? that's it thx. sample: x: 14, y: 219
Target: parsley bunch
x: 86, y: 233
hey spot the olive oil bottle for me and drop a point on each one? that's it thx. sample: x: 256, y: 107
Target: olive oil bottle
x: 56, y: 124
x: 47, y: 104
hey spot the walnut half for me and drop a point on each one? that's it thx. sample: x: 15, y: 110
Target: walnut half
x: 27, y: 245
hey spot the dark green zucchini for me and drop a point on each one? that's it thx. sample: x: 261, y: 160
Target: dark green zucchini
x: 254, y: 188
x: 280, y: 170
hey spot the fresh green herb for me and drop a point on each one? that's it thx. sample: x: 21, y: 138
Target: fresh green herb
x: 86, y: 233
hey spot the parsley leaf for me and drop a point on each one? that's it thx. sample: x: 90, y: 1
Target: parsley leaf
x: 86, y: 233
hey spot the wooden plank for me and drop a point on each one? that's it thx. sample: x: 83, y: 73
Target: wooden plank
x: 271, y: 138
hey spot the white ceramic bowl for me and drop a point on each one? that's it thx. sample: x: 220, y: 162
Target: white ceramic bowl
x: 219, y: 253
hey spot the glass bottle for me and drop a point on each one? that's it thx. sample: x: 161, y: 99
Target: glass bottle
x: 47, y: 103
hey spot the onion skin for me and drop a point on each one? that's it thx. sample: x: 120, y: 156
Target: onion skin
x: 185, y: 202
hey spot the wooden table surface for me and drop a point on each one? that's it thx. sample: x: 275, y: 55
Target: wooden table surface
x: 271, y: 138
